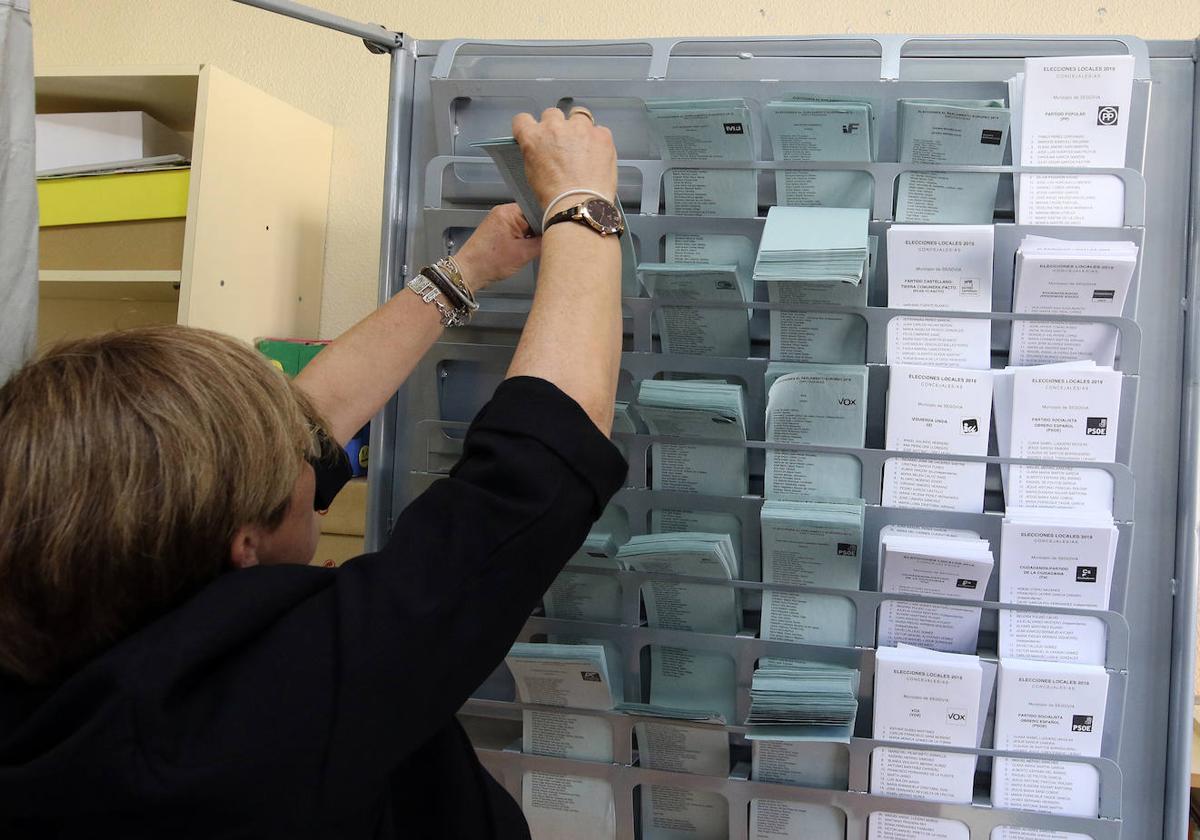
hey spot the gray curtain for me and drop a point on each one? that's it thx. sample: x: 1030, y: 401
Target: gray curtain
x: 18, y: 190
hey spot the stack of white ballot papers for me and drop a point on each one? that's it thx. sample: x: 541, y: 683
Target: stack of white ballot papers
x: 937, y: 410
x: 671, y: 813
x: 813, y: 244
x: 680, y: 678
x: 1068, y: 412
x: 947, y: 267
x: 807, y: 129
x: 950, y: 131
x: 1055, y: 708
x: 1056, y: 558
x: 804, y: 700
x: 935, y: 699
x: 509, y: 160
x: 1074, y: 112
x: 696, y: 409
x: 814, y: 543
x: 888, y: 825
x: 689, y: 328
x: 1061, y: 277
x: 955, y: 565
x: 817, y: 405
x: 700, y: 130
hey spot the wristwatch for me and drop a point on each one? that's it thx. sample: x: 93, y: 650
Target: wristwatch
x: 600, y: 215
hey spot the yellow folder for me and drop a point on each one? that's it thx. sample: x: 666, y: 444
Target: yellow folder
x: 114, y: 198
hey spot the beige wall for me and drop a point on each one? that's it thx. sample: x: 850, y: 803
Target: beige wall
x: 333, y: 77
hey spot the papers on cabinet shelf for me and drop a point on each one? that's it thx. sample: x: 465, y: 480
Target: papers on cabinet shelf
x: 671, y: 813
x: 950, y: 131
x: 808, y: 130
x: 886, y: 825
x: 803, y: 700
x: 1049, y: 708
x: 1067, y: 412
x: 1062, y: 277
x: 1075, y: 112
x: 937, y: 410
x: 818, y: 405
x: 689, y: 328
x: 559, y: 807
x: 936, y: 566
x: 945, y: 267
x: 1055, y: 559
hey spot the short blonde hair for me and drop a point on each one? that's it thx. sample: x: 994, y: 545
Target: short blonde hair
x: 127, y: 463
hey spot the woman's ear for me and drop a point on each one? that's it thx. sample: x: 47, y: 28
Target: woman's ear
x: 245, y: 548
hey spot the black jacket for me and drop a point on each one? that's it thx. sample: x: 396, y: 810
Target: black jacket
x: 298, y: 702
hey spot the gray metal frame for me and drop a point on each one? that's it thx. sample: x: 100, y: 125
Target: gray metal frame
x: 1146, y: 761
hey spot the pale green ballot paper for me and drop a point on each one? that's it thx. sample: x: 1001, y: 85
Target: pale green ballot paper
x: 952, y: 131
x: 821, y: 131
x: 691, y: 329
x: 506, y: 154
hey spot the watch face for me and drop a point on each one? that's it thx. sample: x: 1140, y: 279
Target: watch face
x: 604, y: 215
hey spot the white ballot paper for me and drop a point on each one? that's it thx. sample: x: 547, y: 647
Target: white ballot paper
x: 944, y: 568
x: 671, y: 813
x: 1061, y: 277
x: 773, y: 819
x: 818, y: 405
x: 931, y: 698
x: 696, y: 409
x: 885, y: 825
x: 821, y: 131
x: 700, y: 130
x: 1050, y: 708
x: 1049, y: 558
x: 561, y: 807
x: 810, y: 544
x: 950, y: 131
x: 940, y: 267
x: 1076, y: 114
x: 1012, y: 832
x: 1059, y: 413
x: 938, y: 410
x: 691, y: 329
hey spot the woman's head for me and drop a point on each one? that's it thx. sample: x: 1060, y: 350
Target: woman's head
x: 135, y: 467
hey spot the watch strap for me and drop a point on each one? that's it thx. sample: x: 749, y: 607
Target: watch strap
x: 575, y: 214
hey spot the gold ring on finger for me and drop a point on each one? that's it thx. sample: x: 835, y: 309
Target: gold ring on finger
x: 584, y: 111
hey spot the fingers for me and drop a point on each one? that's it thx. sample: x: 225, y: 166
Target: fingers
x: 521, y: 124
x: 552, y: 115
x: 580, y: 111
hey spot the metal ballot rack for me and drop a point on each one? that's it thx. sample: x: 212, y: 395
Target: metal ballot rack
x: 447, y: 94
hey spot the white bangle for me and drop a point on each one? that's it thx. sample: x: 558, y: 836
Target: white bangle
x: 562, y: 195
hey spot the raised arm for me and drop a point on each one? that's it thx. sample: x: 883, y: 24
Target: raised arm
x: 573, y: 335
x: 351, y: 379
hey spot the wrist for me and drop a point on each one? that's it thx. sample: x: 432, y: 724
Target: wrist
x: 472, y: 274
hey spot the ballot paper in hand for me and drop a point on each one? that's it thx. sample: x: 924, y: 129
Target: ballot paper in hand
x: 1075, y: 113
x: 1049, y: 708
x: 945, y: 267
x: 938, y: 410
x: 1063, y: 277
x: 696, y: 409
x: 939, y: 567
x: 950, y: 131
x: 1066, y: 412
x: 817, y: 544
x: 679, y: 677
x: 817, y: 405
x: 803, y: 700
x: 1054, y: 558
x: 671, y: 813
x: 510, y: 161
x: 690, y: 328
x: 699, y: 130
x: 930, y: 698
x: 806, y: 130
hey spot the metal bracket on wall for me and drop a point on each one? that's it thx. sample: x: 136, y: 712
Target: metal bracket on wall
x: 377, y: 38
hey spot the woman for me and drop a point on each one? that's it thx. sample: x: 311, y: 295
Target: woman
x: 149, y: 690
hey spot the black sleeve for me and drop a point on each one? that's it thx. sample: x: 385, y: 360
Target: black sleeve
x: 424, y: 621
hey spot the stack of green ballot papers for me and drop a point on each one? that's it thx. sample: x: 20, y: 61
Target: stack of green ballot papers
x: 807, y: 128
x: 814, y: 244
x: 815, y: 543
x: 571, y: 676
x: 701, y: 681
x: 691, y: 329
x: 507, y: 156
x: 952, y: 131
x: 811, y: 699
